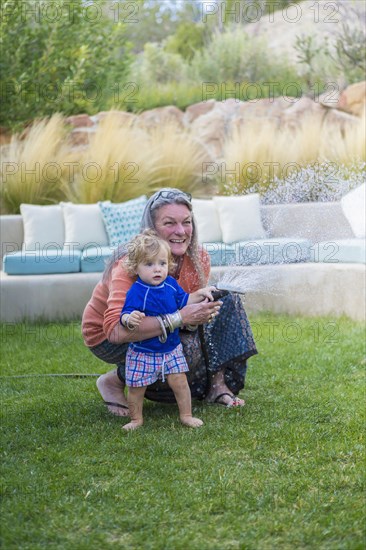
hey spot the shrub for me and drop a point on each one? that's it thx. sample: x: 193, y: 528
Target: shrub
x: 58, y: 57
x: 235, y: 56
x: 187, y: 39
x: 157, y: 66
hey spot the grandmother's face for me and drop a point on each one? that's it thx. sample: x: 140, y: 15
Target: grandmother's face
x: 173, y: 222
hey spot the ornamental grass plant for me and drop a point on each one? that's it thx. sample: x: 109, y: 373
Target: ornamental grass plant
x: 32, y: 167
x: 116, y: 165
x: 348, y: 144
x: 280, y: 151
x: 178, y: 158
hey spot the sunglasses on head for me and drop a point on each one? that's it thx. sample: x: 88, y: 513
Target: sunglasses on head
x: 172, y: 195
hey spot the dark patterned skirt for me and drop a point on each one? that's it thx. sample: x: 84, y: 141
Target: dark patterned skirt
x: 224, y: 344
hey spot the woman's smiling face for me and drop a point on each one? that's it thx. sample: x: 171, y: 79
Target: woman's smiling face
x: 173, y: 222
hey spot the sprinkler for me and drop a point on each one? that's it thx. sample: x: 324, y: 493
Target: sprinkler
x: 221, y: 291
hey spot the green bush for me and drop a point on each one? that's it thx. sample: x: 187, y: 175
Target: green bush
x: 235, y: 56
x: 157, y: 66
x: 58, y: 57
x: 187, y: 40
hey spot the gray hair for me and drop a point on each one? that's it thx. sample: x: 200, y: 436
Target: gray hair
x: 166, y: 195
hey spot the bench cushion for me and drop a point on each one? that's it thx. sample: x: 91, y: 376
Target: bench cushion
x: 354, y: 208
x: 93, y: 258
x: 340, y: 251
x: 259, y: 252
x: 46, y: 261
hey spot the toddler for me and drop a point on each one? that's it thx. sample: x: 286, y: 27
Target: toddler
x: 157, y: 294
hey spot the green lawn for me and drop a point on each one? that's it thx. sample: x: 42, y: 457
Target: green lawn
x: 285, y: 472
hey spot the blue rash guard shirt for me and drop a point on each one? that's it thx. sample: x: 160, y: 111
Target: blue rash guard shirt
x: 156, y: 300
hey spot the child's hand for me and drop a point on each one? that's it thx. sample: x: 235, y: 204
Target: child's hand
x: 205, y: 293
x: 134, y: 319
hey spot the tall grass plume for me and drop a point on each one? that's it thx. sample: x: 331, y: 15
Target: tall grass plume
x: 32, y: 167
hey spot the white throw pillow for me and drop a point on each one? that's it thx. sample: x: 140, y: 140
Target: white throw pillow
x: 240, y: 218
x: 84, y: 225
x: 43, y: 226
x: 354, y: 208
x: 207, y: 221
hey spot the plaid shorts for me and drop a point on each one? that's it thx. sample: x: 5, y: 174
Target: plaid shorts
x: 144, y: 368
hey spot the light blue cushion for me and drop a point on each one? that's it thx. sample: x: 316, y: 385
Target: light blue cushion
x: 42, y: 262
x: 340, y: 251
x: 221, y: 254
x: 273, y: 251
x: 94, y: 258
x: 259, y: 252
x: 122, y: 221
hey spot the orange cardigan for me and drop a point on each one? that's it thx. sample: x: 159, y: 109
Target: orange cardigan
x: 103, y: 310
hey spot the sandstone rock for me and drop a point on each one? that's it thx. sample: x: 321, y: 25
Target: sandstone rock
x: 330, y: 99
x: 302, y: 109
x: 80, y: 136
x: 161, y: 115
x: 229, y: 106
x: 5, y: 136
x: 125, y: 118
x: 353, y: 99
x: 266, y: 107
x: 303, y: 106
x: 341, y: 119
x: 211, y: 129
x: 198, y: 109
x: 79, y: 121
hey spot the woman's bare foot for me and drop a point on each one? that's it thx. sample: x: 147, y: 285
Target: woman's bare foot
x: 111, y: 389
x: 133, y: 425
x: 191, y: 421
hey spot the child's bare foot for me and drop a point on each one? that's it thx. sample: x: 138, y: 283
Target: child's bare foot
x: 191, y: 421
x: 133, y: 425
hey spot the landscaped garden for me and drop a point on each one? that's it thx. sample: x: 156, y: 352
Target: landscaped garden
x: 286, y: 471
x: 109, y: 101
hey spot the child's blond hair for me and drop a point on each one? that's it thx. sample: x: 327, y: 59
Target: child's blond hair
x: 144, y: 247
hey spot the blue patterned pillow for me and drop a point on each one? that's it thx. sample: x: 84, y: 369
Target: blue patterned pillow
x: 122, y: 221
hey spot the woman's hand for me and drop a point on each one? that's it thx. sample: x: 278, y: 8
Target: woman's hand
x: 198, y: 314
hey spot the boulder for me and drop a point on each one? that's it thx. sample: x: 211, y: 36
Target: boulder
x: 266, y: 107
x: 353, y: 99
x: 329, y: 99
x: 5, y: 136
x: 161, y: 115
x: 80, y: 136
x: 80, y: 121
x: 126, y: 119
x: 211, y: 129
x: 302, y: 109
x: 341, y: 119
x: 198, y: 109
x: 303, y: 106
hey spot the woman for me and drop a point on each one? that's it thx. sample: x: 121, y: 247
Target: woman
x: 216, y: 353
